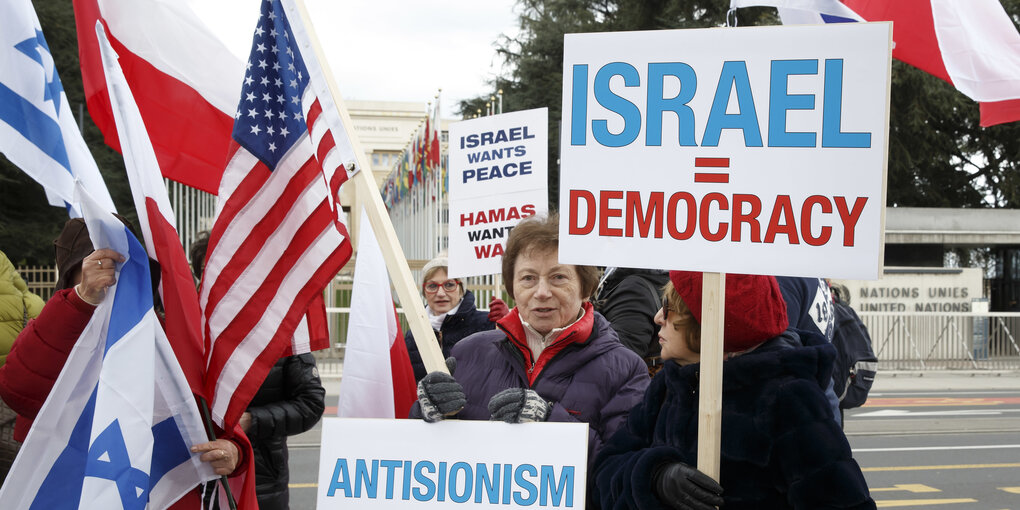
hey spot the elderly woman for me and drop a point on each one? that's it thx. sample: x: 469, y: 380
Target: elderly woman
x: 552, y: 358
x: 781, y: 447
x: 451, y: 310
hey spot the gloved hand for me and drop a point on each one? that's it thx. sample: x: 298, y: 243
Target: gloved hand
x: 518, y: 405
x: 440, y: 395
x: 497, y: 309
x: 685, y: 488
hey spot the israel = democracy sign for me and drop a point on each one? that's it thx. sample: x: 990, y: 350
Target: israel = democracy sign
x: 750, y: 150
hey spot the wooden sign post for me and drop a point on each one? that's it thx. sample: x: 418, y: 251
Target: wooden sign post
x: 368, y: 191
x: 713, y: 308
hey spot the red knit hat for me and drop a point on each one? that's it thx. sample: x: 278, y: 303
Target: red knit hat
x: 755, y: 309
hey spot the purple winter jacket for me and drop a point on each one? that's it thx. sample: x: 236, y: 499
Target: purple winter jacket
x: 593, y: 379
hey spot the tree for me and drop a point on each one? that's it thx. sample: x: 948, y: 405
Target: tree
x: 939, y: 156
x: 28, y: 224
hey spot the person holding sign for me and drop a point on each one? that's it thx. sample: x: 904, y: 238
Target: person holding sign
x: 451, y: 310
x: 781, y: 447
x: 552, y: 358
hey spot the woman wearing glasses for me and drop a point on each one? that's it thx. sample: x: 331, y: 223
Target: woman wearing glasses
x: 451, y: 310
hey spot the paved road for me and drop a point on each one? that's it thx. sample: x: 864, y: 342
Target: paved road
x: 947, y: 440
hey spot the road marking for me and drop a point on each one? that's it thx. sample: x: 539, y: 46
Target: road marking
x: 1012, y: 490
x: 936, y: 448
x: 947, y: 466
x: 909, y: 487
x: 921, y: 502
x: 302, y: 485
x: 944, y: 401
x: 903, y: 413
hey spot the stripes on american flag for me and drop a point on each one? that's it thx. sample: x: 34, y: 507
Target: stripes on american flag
x: 279, y: 235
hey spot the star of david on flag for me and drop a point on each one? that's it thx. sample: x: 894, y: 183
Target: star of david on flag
x: 115, y: 431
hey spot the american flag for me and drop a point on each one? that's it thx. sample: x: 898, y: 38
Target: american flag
x: 279, y: 235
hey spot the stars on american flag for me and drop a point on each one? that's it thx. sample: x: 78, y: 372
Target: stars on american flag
x: 269, y: 117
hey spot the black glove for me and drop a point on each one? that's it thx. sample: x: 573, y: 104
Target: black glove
x: 440, y: 395
x: 685, y: 488
x: 518, y: 405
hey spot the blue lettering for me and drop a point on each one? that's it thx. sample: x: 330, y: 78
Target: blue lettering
x: 780, y: 102
x: 441, y: 483
x: 507, y: 473
x: 832, y: 110
x: 466, y: 468
x: 579, y: 105
x: 529, y: 488
x: 472, y: 141
x: 520, y: 151
x: 363, y: 479
x: 486, y: 484
x: 549, y: 486
x: 469, y: 174
x: 628, y: 111
x: 419, y: 476
x: 733, y: 75
x: 405, y: 494
x: 486, y: 137
x: 389, y: 466
x: 657, y: 105
x: 339, y: 480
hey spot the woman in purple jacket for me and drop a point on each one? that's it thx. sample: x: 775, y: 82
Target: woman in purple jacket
x: 552, y: 358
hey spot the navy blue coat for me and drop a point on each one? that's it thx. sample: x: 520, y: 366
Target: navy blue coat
x: 781, y: 448
x: 587, y: 374
x: 467, y: 321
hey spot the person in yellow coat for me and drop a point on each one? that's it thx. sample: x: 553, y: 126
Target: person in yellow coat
x: 17, y: 307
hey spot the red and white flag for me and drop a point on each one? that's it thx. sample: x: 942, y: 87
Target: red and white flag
x: 177, y: 288
x: 378, y: 380
x: 184, y: 80
x: 973, y: 45
x: 279, y: 235
x: 156, y: 218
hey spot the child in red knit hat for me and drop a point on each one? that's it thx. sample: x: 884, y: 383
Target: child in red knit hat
x: 780, y: 446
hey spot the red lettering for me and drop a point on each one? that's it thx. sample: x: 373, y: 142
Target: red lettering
x: 607, y: 212
x: 467, y: 218
x: 529, y: 209
x: 751, y: 217
x: 496, y: 215
x: 513, y: 214
x: 782, y: 208
x: 482, y: 252
x: 849, y: 218
x: 576, y: 195
x: 497, y: 249
x: 706, y: 231
x: 692, y: 216
x: 805, y: 220
x: 644, y: 221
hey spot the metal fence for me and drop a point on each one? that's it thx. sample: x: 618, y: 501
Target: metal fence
x: 939, y: 341
x: 40, y: 279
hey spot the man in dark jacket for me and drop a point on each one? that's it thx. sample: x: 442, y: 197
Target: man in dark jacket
x: 629, y: 298
x: 290, y: 401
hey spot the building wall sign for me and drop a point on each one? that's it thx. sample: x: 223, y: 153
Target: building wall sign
x: 914, y: 290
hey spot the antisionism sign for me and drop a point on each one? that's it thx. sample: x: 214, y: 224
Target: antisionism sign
x: 758, y: 150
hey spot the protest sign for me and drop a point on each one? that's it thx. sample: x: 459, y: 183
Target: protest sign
x: 498, y: 176
x: 757, y: 150
x: 376, y: 463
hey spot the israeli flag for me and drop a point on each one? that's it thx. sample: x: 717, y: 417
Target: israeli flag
x: 116, y: 430
x: 37, y: 131
x: 805, y: 12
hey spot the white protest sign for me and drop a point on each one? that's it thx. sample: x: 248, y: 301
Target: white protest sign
x: 498, y: 176
x: 376, y: 463
x: 758, y: 150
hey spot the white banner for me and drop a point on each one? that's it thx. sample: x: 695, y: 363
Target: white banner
x: 498, y: 176
x: 376, y: 463
x: 758, y: 150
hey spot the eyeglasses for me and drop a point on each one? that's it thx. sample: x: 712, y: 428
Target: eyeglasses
x: 448, y: 286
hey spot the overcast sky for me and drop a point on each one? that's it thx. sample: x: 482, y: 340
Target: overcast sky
x: 392, y: 50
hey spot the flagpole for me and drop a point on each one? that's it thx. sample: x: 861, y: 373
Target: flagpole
x: 212, y: 437
x: 368, y: 191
